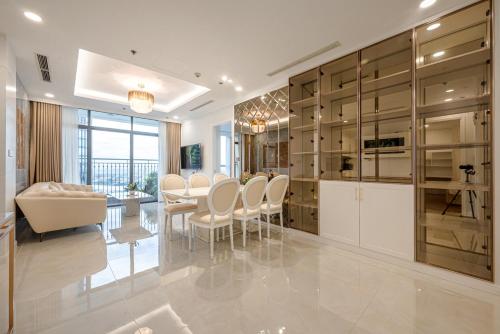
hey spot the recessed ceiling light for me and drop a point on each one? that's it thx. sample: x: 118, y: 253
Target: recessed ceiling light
x: 11, y: 89
x: 238, y: 88
x: 230, y: 80
x: 434, y: 26
x: 427, y: 3
x: 438, y: 54
x: 450, y: 90
x: 176, y: 117
x: 448, y: 100
x: 224, y: 78
x: 49, y: 95
x: 33, y: 17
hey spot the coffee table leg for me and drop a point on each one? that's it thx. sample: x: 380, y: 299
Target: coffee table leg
x: 132, y: 207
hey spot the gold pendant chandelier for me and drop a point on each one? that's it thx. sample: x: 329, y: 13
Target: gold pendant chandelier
x: 141, y: 101
x: 258, y: 125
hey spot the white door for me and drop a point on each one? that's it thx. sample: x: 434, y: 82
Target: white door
x: 339, y: 211
x: 222, y: 148
x: 386, y: 214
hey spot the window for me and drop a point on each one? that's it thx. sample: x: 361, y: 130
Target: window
x: 115, y: 150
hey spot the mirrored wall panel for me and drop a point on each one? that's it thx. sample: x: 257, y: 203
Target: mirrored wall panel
x: 261, y: 137
x: 454, y: 153
x: 304, y: 151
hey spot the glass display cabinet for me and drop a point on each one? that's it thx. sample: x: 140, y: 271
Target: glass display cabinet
x: 453, y: 134
x: 386, y: 110
x: 339, y: 119
x: 303, y: 130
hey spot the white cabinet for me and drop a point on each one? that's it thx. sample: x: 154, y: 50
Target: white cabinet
x: 374, y: 216
x: 339, y: 211
x: 386, y: 222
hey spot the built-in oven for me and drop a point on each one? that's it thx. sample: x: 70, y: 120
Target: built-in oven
x: 6, y: 274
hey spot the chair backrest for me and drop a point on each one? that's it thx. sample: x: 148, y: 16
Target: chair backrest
x: 253, y: 193
x: 199, y: 180
x: 222, y: 197
x: 219, y: 177
x: 169, y: 182
x: 261, y: 174
x: 276, y: 190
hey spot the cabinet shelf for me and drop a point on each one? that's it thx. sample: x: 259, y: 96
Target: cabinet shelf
x: 403, y: 112
x: 454, y: 185
x: 450, y: 223
x: 306, y: 204
x: 344, y: 152
x: 340, y: 94
x: 452, y: 107
x: 305, y: 103
x: 391, y: 80
x: 307, y: 127
x: 305, y: 153
x: 396, y: 149
x: 453, y: 146
x: 304, y: 179
x: 338, y: 123
x: 450, y: 64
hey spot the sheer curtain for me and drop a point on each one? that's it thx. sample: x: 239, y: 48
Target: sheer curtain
x: 70, y: 145
x: 162, y: 154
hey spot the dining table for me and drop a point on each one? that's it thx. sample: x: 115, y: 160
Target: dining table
x: 200, y: 195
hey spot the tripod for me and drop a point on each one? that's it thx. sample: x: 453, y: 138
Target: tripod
x: 472, y: 193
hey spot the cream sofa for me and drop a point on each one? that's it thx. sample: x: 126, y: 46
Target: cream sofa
x: 51, y: 206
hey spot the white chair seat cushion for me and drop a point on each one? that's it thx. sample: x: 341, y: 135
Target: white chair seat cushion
x: 180, y: 207
x: 273, y: 208
x: 240, y: 213
x: 203, y: 217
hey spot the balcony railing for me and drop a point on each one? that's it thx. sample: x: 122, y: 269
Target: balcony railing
x: 111, y: 176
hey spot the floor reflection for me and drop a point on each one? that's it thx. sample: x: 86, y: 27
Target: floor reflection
x: 129, y: 278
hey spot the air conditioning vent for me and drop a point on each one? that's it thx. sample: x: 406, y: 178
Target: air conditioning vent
x: 316, y: 53
x: 202, y: 105
x: 43, y: 64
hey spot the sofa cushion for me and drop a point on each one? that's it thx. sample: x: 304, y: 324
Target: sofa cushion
x: 64, y: 193
x: 55, y: 186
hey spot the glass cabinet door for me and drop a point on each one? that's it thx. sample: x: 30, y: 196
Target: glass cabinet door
x: 339, y: 119
x: 453, y: 133
x: 303, y: 130
x: 386, y: 110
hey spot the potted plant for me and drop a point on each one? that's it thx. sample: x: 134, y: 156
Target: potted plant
x: 132, y: 188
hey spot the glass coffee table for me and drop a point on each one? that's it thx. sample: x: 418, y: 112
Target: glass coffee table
x: 131, y: 203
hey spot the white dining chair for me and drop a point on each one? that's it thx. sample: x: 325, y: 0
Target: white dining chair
x: 275, y: 193
x: 221, y: 201
x: 198, y: 180
x: 219, y: 177
x: 172, y: 206
x: 252, y: 196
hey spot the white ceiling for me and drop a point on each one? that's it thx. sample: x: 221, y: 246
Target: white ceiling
x: 106, y: 79
x: 244, y: 40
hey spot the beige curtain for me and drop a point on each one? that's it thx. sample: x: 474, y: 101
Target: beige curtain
x: 45, y: 143
x: 173, y: 148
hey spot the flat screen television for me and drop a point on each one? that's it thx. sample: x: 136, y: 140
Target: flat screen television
x: 191, y: 157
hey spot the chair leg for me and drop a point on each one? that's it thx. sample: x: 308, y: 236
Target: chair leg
x: 223, y: 233
x: 169, y: 224
x: 183, y: 225
x: 268, y: 226
x: 244, y: 229
x: 281, y: 221
x: 217, y: 234
x: 260, y: 228
x: 231, y: 236
x: 190, y: 233
x: 211, y: 243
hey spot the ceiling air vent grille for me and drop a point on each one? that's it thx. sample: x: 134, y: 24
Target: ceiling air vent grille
x: 202, y: 105
x: 43, y: 64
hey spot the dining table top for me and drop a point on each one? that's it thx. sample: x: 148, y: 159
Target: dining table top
x: 190, y: 193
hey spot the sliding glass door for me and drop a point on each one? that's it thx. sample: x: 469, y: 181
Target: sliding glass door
x: 115, y: 150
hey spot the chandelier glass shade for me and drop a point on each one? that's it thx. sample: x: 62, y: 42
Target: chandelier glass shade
x: 141, y: 101
x: 258, y: 125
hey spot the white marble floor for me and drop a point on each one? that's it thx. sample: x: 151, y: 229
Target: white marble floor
x: 131, y: 279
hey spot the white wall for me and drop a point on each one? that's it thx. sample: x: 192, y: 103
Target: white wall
x: 7, y: 126
x: 201, y: 130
